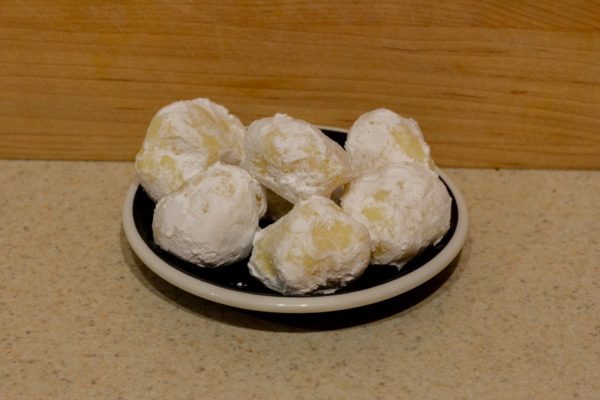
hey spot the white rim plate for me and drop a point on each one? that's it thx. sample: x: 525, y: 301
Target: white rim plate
x: 306, y: 304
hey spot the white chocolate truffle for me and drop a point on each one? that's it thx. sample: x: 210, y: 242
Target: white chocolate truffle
x: 211, y: 220
x: 381, y: 137
x: 294, y: 159
x: 314, y: 248
x: 183, y: 139
x: 404, y: 206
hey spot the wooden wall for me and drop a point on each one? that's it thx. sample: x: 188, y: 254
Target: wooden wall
x: 493, y: 84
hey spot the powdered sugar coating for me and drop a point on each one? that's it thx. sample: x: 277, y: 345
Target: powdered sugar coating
x: 211, y: 220
x: 314, y: 248
x: 382, y: 137
x: 404, y: 206
x: 183, y: 139
x: 293, y: 158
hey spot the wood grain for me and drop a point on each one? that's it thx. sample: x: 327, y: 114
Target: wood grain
x: 493, y: 84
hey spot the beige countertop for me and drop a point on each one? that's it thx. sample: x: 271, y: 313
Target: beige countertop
x: 81, y: 317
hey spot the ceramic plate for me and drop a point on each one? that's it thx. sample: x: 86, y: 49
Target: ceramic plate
x: 234, y: 286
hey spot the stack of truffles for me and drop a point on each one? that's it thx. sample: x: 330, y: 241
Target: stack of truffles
x: 335, y: 211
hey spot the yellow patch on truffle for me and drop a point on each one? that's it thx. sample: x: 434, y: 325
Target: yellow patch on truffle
x: 382, y: 195
x: 335, y: 237
x: 375, y: 214
x: 212, y: 147
x: 263, y: 258
x: 408, y: 142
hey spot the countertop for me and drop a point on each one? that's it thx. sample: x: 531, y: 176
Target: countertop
x: 517, y: 316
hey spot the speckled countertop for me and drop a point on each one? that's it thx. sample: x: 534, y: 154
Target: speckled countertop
x: 81, y: 317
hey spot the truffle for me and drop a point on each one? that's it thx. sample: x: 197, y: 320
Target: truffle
x: 404, y: 206
x: 211, y: 220
x: 293, y: 158
x: 315, y: 248
x: 382, y: 137
x: 183, y: 139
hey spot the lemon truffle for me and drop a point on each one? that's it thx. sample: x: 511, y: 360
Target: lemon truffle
x: 211, y: 220
x: 315, y: 248
x: 382, y: 137
x: 183, y: 139
x: 404, y: 206
x: 294, y: 159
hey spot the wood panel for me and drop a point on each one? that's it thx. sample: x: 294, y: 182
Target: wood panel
x: 493, y: 84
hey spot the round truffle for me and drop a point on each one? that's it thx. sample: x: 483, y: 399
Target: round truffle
x: 294, y: 159
x: 183, y: 139
x: 404, y: 206
x: 211, y: 220
x: 381, y: 137
x: 315, y: 248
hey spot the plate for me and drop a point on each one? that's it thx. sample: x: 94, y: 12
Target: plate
x: 233, y: 285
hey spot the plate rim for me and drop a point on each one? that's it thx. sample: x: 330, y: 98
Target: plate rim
x: 305, y: 304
